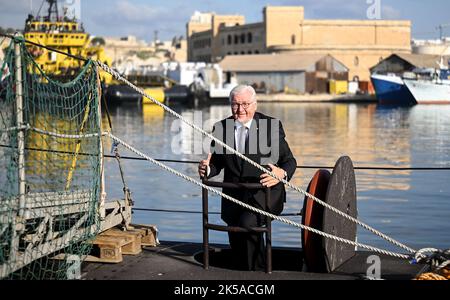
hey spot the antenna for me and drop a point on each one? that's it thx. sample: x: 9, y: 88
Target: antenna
x: 156, y: 36
x: 441, y: 28
x: 53, y: 9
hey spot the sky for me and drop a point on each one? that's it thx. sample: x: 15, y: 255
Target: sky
x: 169, y: 17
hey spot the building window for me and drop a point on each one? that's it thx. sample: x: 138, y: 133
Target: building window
x: 249, y: 52
x: 256, y: 52
x: 243, y: 52
x: 293, y: 39
x: 203, y: 43
x: 243, y: 38
x: 236, y: 53
x: 230, y: 40
x: 356, y: 61
x: 236, y: 39
x: 229, y: 53
x: 249, y: 37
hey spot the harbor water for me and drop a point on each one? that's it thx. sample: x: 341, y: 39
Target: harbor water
x: 412, y: 206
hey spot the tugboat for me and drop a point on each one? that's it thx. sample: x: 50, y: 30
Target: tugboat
x: 65, y: 34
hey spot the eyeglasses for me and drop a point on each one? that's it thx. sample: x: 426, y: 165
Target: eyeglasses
x: 243, y: 105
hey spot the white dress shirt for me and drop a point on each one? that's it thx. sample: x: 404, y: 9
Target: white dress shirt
x: 237, y: 127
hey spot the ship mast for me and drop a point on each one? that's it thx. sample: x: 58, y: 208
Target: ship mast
x: 53, y: 10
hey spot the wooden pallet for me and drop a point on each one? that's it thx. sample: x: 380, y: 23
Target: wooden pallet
x: 110, y: 245
x: 149, y: 234
x: 133, y: 247
x: 110, y: 249
x: 105, y: 250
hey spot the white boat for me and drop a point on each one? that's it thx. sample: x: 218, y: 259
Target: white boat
x: 429, y: 92
x: 214, y: 85
x: 421, y: 86
x: 434, y: 88
x: 205, y: 80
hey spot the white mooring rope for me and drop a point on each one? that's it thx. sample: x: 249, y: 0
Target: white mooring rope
x: 262, y: 212
x: 418, y: 254
x: 51, y: 133
x: 367, y: 227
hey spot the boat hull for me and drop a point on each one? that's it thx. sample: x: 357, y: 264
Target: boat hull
x: 178, y: 94
x: 391, y: 90
x: 429, y: 92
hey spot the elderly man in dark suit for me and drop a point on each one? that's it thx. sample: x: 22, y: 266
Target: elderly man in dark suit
x: 262, y: 139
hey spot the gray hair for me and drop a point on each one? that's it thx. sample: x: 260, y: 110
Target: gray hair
x: 240, y: 88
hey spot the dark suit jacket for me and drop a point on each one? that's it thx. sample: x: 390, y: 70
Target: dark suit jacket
x: 270, y: 141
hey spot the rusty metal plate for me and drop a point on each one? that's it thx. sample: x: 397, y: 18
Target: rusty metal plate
x: 312, y: 216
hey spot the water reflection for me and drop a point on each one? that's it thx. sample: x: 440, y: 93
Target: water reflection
x: 57, y: 165
x: 320, y: 133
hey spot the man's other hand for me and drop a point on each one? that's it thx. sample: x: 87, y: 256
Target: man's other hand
x: 203, y: 166
x: 269, y: 181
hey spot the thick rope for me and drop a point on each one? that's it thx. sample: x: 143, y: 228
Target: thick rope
x: 262, y: 212
x: 28, y: 127
x: 51, y: 133
x: 438, y: 259
x: 418, y: 254
x: 289, y: 222
x: 119, y: 77
x: 140, y: 91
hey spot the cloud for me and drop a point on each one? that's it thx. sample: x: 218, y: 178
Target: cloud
x: 128, y: 18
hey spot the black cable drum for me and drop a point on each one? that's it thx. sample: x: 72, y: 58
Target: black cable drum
x: 341, y: 194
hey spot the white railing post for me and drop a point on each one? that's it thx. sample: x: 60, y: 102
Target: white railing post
x: 20, y: 124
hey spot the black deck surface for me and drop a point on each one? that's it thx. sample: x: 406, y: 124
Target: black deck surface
x: 183, y: 261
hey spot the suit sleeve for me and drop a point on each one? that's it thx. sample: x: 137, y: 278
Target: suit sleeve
x: 286, y: 160
x: 216, y: 162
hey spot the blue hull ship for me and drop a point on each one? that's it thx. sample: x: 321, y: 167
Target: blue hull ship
x: 391, y: 90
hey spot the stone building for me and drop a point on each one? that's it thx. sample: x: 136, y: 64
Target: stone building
x: 358, y: 44
x: 290, y: 73
x: 131, y: 51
